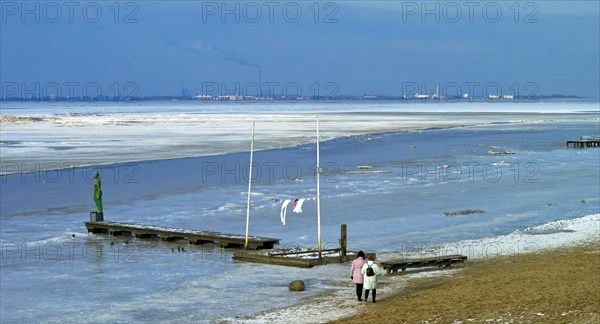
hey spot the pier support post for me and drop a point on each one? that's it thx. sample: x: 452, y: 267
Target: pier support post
x: 343, y: 241
x: 96, y: 217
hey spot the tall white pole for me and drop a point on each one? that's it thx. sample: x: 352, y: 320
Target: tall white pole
x: 318, y: 192
x: 249, y: 186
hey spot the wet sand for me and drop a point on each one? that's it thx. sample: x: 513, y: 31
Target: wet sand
x: 555, y: 286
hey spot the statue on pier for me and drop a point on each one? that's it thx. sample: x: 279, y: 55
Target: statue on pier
x: 98, y: 192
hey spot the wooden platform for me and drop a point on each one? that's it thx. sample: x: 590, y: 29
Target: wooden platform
x: 403, y: 264
x: 584, y: 143
x: 299, y: 259
x: 171, y: 234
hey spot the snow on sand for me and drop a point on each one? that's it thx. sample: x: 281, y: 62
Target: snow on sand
x: 341, y: 302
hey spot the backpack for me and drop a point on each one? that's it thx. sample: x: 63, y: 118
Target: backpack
x: 370, y: 272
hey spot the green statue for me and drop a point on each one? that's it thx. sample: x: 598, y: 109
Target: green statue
x: 98, y: 192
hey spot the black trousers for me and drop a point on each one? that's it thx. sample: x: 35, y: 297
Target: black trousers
x: 367, y: 294
x: 359, y: 288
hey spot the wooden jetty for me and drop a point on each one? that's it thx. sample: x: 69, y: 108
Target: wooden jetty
x: 584, y: 143
x: 224, y: 240
x: 299, y: 259
x: 440, y: 261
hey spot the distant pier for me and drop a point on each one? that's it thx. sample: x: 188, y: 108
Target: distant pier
x: 584, y: 143
x: 167, y: 234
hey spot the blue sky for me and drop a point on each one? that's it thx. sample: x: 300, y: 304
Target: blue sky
x: 339, y: 47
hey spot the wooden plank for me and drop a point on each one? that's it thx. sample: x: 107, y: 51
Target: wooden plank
x: 455, y: 256
x: 267, y: 258
x: 168, y: 234
x: 258, y: 258
x: 302, y: 252
x: 443, y: 257
x: 440, y: 261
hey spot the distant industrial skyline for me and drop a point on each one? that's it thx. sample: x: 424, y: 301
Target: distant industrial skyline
x: 335, y: 48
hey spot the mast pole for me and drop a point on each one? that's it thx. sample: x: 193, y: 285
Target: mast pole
x: 318, y: 192
x: 249, y: 185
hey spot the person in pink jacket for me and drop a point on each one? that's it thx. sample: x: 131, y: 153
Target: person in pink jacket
x: 356, y: 275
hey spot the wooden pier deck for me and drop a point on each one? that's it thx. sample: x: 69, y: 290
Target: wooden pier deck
x: 584, y: 143
x: 440, y: 261
x: 300, y: 259
x: 171, y: 234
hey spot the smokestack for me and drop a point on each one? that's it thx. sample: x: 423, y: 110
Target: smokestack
x: 260, y: 81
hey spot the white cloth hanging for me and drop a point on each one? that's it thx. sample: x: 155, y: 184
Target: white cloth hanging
x: 284, y: 210
x: 298, y: 207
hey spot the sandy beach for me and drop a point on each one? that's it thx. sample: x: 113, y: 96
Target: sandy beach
x: 555, y: 286
x: 557, y: 282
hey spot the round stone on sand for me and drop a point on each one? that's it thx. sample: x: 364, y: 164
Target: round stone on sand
x: 296, y: 285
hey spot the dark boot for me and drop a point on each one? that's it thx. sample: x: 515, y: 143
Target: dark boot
x: 366, y: 295
x: 374, y: 293
x: 359, y: 291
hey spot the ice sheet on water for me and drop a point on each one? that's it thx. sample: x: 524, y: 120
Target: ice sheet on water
x: 397, y: 215
x: 170, y: 130
x: 230, y: 206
